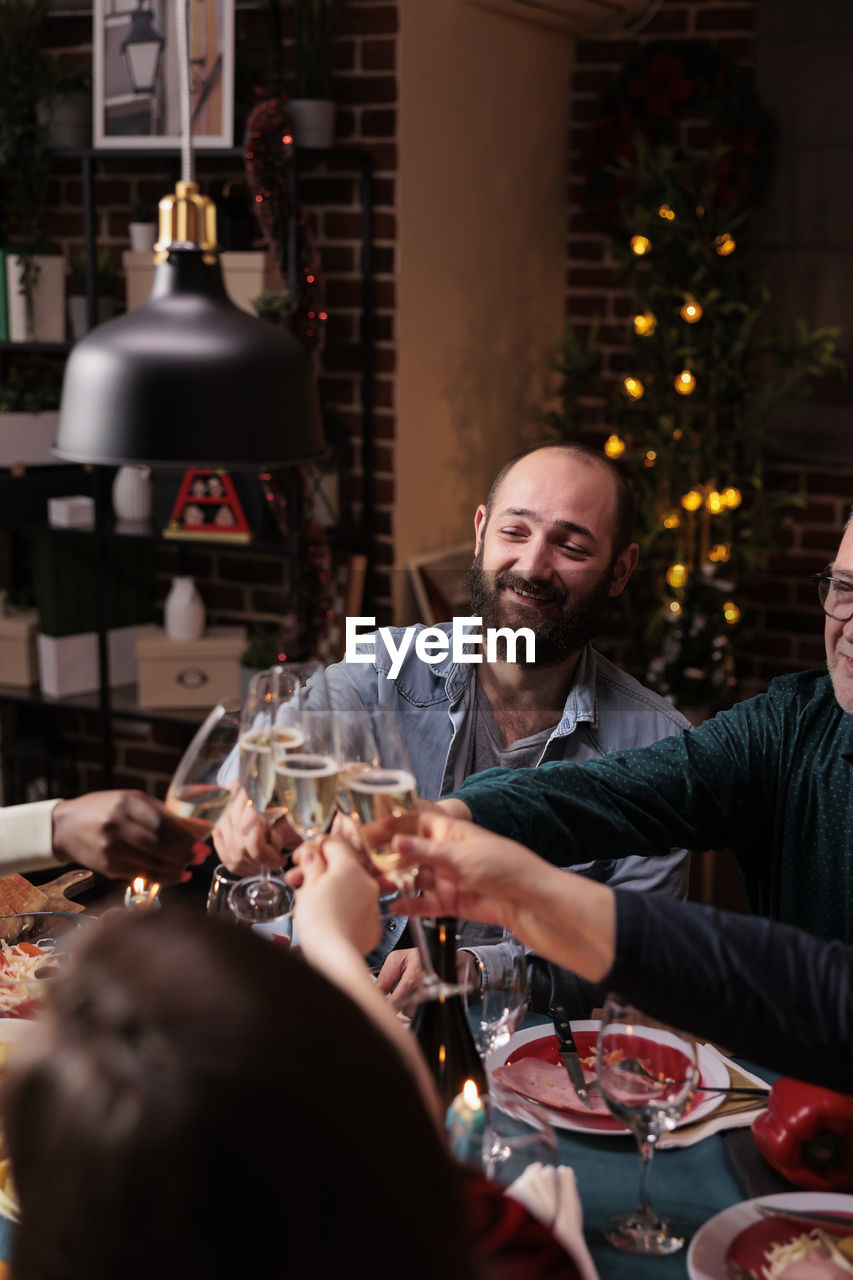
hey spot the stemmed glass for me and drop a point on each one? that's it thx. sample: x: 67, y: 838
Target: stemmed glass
x: 496, y: 1005
x: 518, y: 1134
x: 647, y: 1073
x: 377, y: 790
x: 271, y: 728
x: 199, y: 793
x: 306, y: 777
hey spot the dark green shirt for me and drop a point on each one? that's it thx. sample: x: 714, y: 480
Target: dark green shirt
x: 771, y: 779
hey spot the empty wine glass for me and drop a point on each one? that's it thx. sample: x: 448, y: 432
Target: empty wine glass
x: 271, y: 727
x: 518, y: 1134
x: 497, y: 1003
x: 199, y: 793
x: 647, y: 1073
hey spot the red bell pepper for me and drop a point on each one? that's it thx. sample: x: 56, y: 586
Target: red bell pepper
x: 806, y: 1134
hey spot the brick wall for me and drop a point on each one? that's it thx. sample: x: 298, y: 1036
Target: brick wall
x: 782, y: 629
x: 242, y: 587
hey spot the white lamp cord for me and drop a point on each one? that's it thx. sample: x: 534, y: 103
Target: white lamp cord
x: 182, y: 23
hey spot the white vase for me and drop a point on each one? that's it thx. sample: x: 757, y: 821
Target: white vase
x: 184, y: 612
x: 132, y: 494
x: 313, y: 121
x: 142, y: 236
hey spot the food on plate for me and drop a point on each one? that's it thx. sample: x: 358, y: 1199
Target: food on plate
x: 548, y: 1083
x: 814, y: 1255
x: 21, y: 966
x: 806, y: 1134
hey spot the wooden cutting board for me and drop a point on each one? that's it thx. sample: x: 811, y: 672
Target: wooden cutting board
x: 18, y: 895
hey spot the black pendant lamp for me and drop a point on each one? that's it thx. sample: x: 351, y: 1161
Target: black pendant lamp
x: 189, y: 379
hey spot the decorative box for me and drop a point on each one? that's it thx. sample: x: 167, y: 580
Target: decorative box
x: 189, y: 673
x: 70, y: 665
x: 18, y: 663
x: 75, y: 511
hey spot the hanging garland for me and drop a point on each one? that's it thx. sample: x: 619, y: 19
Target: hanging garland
x: 692, y: 97
x: 269, y: 153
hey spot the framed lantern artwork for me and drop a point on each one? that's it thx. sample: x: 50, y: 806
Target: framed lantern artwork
x: 136, y: 73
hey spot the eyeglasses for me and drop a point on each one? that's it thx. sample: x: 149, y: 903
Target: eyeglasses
x: 835, y: 596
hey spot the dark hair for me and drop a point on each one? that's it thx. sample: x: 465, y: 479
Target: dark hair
x: 626, y: 503
x: 200, y: 1100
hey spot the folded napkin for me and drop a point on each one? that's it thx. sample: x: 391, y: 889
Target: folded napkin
x: 551, y: 1195
x: 733, y: 1113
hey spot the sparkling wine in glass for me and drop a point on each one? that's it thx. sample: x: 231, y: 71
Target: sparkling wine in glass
x: 648, y: 1074
x: 198, y: 794
x: 270, y: 729
x: 306, y: 776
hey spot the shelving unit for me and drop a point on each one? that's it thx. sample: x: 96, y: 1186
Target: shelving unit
x: 109, y: 703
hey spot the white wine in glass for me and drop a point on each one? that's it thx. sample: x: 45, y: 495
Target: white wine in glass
x: 306, y: 779
x: 197, y: 795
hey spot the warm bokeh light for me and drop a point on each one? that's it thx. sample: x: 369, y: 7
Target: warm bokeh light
x: 650, y: 459
x: 674, y: 607
x: 725, y: 244
x: 691, y: 311
x: 640, y: 245
x: 685, y: 383
x: 666, y: 213
x: 614, y: 446
x: 714, y: 503
x: 645, y: 324
x: 676, y: 575
x: 671, y: 520
x: 692, y: 500
x: 732, y: 497
x: 731, y: 612
x: 720, y: 553
x: 633, y: 388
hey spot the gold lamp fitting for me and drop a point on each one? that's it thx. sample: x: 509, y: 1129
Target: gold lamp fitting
x: 187, y: 218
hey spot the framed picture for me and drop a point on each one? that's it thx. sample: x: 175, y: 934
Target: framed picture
x: 136, y: 73
x: 440, y: 582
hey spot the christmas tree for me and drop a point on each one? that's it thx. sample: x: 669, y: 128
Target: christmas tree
x: 687, y: 406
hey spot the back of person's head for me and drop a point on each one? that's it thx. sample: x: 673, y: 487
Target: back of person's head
x: 201, y: 1102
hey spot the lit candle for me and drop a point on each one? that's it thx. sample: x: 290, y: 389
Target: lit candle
x: 466, y: 1121
x: 141, y: 896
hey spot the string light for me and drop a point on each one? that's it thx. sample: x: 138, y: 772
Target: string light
x: 731, y: 612
x: 677, y: 433
x: 671, y: 520
x: 666, y: 213
x: 720, y: 553
x: 645, y: 324
x: 614, y: 446
x: 692, y: 500
x: 674, y: 607
x: 676, y: 575
x: 650, y: 458
x: 714, y: 503
x: 641, y: 245
x: 685, y: 383
x: 725, y: 244
x: 633, y: 388
x: 691, y: 311
x: 732, y: 497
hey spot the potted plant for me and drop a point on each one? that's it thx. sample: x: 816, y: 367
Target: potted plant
x: 32, y: 83
x: 263, y: 649
x: 271, y: 305
x: 105, y: 281
x: 312, y: 109
x: 143, y: 226
x: 29, y: 400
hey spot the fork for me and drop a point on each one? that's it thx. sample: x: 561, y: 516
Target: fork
x: 734, y: 1090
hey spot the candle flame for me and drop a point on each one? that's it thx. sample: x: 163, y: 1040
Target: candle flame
x: 471, y: 1096
x: 138, y: 885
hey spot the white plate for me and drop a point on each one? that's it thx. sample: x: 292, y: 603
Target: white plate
x: 706, y: 1256
x: 713, y: 1072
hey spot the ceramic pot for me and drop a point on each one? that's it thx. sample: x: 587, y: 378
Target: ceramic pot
x: 313, y: 121
x: 142, y: 236
x: 132, y: 494
x: 184, y: 612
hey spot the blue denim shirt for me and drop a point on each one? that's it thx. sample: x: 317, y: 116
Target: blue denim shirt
x: 606, y: 710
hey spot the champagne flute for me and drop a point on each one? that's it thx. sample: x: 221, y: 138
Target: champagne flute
x: 270, y: 728
x: 647, y: 1073
x: 306, y: 777
x: 377, y: 790
x: 199, y: 794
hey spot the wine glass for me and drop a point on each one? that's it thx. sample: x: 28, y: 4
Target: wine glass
x: 199, y: 792
x: 306, y: 760
x: 496, y: 1005
x: 647, y: 1074
x: 518, y: 1134
x: 270, y: 727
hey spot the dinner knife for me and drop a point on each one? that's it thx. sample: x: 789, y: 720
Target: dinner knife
x: 841, y: 1222
x: 569, y: 1053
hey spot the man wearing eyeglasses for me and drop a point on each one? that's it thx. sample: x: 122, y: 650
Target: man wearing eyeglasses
x: 771, y: 779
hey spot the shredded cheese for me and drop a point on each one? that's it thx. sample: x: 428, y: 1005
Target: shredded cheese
x: 17, y: 969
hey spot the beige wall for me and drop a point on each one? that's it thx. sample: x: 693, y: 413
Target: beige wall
x: 483, y: 122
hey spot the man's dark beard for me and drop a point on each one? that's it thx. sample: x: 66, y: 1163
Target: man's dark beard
x: 557, y: 635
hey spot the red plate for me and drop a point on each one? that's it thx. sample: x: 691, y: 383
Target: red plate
x: 746, y: 1252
